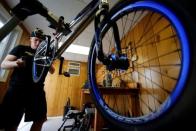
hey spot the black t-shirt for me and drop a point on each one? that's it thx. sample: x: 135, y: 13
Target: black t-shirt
x: 23, y: 76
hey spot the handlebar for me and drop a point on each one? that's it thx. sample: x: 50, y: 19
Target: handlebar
x: 24, y: 9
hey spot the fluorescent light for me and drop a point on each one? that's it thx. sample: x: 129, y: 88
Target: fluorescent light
x: 60, y: 44
x: 1, y: 24
x: 78, y: 49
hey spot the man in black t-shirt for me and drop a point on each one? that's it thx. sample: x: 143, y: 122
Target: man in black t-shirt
x: 23, y: 95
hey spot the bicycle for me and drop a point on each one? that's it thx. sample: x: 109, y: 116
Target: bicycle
x: 82, y: 119
x: 126, y: 55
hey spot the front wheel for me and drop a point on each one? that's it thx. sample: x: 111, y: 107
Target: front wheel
x: 157, y: 88
x: 42, y: 61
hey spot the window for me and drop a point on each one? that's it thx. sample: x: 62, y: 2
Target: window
x: 8, y: 42
x: 74, y: 68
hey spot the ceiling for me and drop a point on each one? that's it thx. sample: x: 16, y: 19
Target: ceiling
x: 68, y: 9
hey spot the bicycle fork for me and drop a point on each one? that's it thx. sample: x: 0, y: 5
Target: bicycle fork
x: 116, y: 60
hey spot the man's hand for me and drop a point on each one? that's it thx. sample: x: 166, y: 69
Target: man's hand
x: 11, y: 62
x: 20, y: 63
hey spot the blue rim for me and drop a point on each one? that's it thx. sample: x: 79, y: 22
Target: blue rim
x: 182, y: 77
x: 35, y: 77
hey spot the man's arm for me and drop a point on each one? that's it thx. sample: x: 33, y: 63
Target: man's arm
x: 11, y: 62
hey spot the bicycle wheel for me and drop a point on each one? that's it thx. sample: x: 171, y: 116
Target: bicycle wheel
x: 42, y: 61
x: 157, y: 88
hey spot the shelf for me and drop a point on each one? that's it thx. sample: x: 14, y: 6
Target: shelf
x: 98, y: 119
x: 115, y: 91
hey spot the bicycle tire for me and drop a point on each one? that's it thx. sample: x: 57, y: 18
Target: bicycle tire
x: 41, y: 66
x: 177, y: 108
x: 42, y: 74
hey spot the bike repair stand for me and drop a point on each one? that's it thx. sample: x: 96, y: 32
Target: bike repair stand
x: 70, y: 113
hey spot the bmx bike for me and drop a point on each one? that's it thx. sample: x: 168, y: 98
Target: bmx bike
x: 150, y: 43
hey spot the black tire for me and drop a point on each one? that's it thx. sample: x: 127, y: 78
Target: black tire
x: 178, y: 107
x: 43, y: 59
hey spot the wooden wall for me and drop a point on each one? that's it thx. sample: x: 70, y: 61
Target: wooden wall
x: 58, y: 88
x: 159, y: 59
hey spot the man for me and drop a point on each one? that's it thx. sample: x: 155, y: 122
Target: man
x: 23, y: 95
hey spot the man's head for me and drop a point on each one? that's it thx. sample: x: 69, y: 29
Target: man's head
x: 36, y: 37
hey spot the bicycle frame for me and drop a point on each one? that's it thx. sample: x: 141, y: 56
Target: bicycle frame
x: 96, y: 9
x: 83, y: 19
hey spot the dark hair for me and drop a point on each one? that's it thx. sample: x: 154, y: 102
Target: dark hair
x: 37, y: 33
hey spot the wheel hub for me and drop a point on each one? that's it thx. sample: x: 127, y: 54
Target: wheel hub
x: 118, y: 62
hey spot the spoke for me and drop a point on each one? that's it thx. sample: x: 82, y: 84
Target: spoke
x: 46, y: 60
x: 149, y: 29
x: 169, y: 53
x: 116, y: 38
x: 133, y: 22
x: 41, y: 58
x: 43, y: 65
x: 142, y: 66
x: 109, y: 38
x: 146, y: 105
x: 38, y: 52
x: 153, y: 35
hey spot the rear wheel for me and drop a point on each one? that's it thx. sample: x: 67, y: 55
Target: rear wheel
x: 146, y: 95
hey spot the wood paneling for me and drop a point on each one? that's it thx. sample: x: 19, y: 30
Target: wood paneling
x: 156, y: 44
x: 58, y: 88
